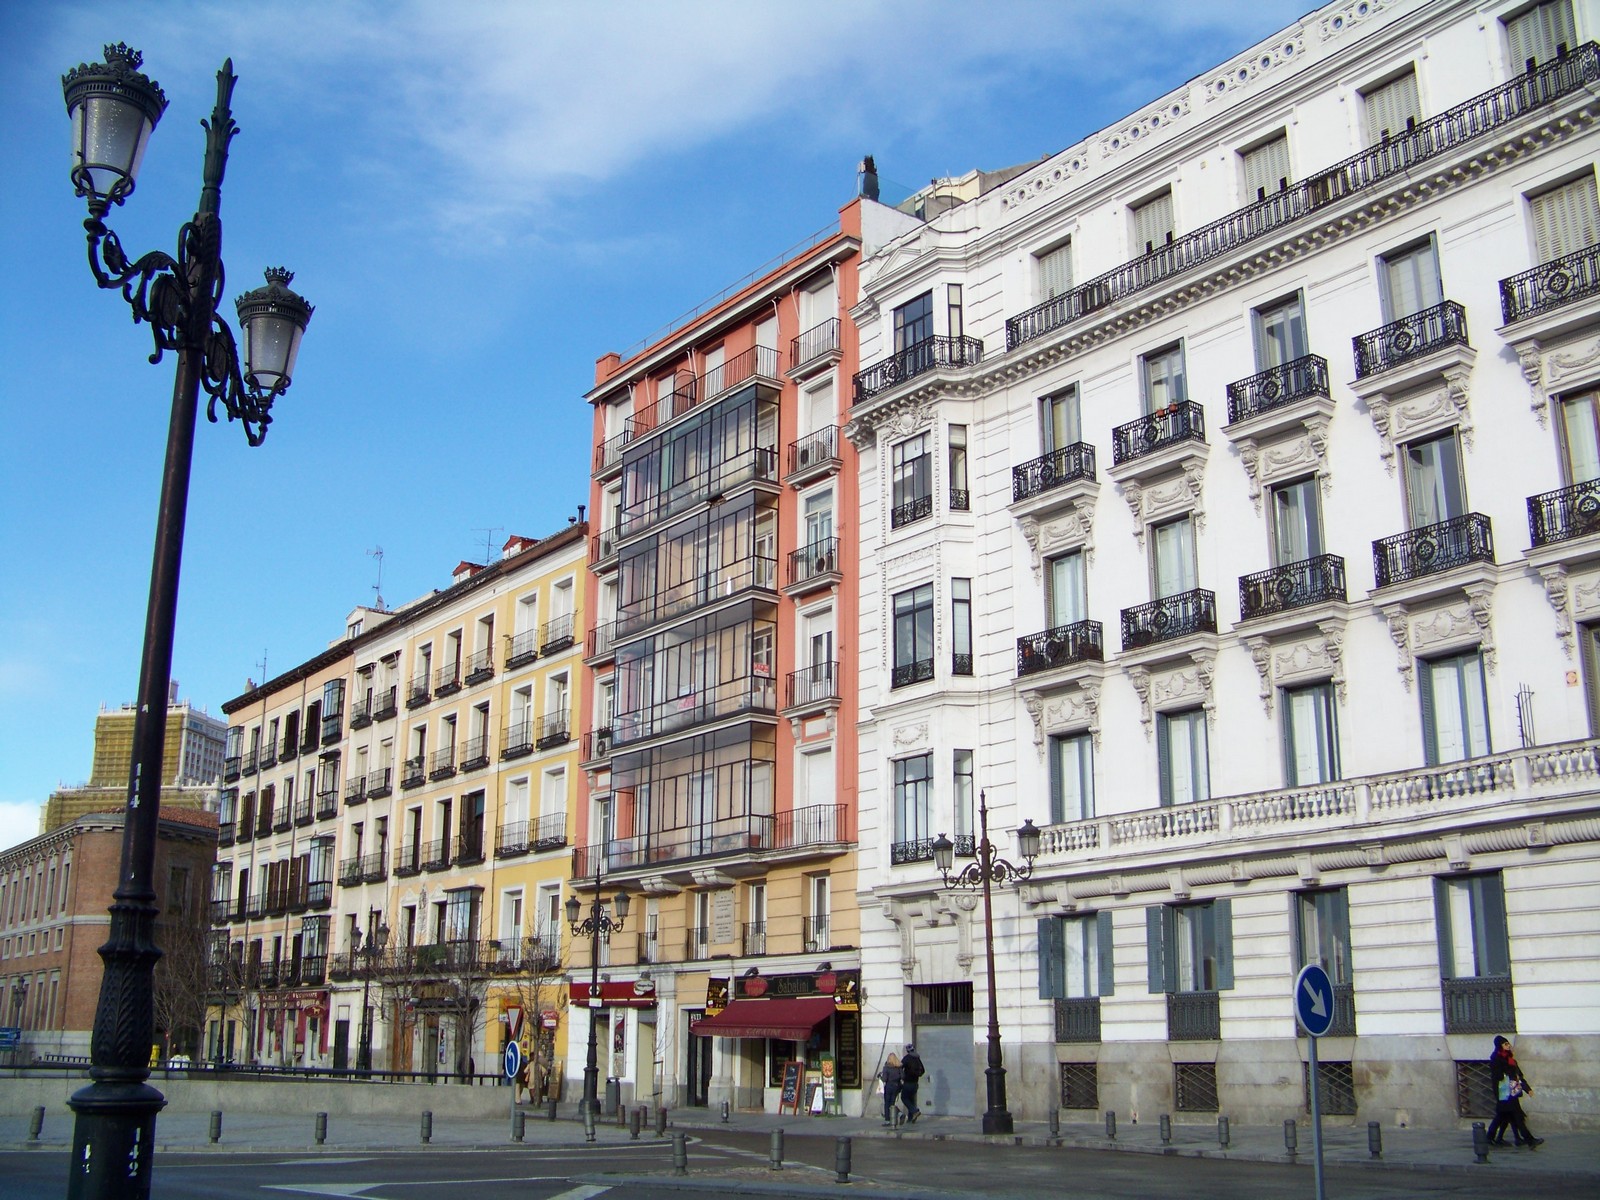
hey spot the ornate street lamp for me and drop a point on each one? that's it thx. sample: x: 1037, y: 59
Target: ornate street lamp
x: 372, y: 951
x: 597, y: 924
x: 987, y: 871
x: 114, y: 109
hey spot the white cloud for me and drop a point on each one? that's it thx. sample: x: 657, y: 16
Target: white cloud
x: 19, y: 821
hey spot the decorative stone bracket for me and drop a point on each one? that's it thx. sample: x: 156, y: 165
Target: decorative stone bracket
x: 1072, y: 530
x: 1176, y: 684
x: 1072, y: 710
x: 1287, y: 460
x: 1307, y: 657
x: 1400, y: 420
x: 1555, y: 590
x: 1154, y: 502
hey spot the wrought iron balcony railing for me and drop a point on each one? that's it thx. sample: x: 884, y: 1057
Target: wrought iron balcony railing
x: 1551, y: 285
x: 225, y: 832
x: 916, y: 671
x: 597, y: 744
x: 1194, y: 611
x: 1410, y: 337
x: 436, y: 854
x: 555, y: 729
x: 1194, y: 1016
x: 231, y: 768
x: 480, y: 665
x: 817, y: 684
x: 1292, y: 585
x: 355, y: 790
x: 752, y: 938
x: 818, y: 934
x: 516, y: 739
x: 751, y: 693
x: 818, y: 560
x: 1432, y: 548
x: 380, y: 783
x: 1365, y: 171
x: 417, y: 694
x: 911, y: 510
x: 360, y: 712
x: 920, y: 357
x: 374, y: 867
x: 413, y: 772
x: 469, y: 848
x: 1479, y: 1004
x: 608, y: 454
x: 442, y: 763
x: 384, y: 705
x: 814, y: 343
x: 1060, y: 647
x: 675, y: 594
x: 349, y: 872
x: 1053, y: 470
x: 521, y: 648
x: 920, y: 850
x: 601, y: 640
x: 1344, y: 1011
x: 1565, y: 513
x: 319, y: 894
x: 818, y: 826
x: 248, y: 766
x: 960, y: 500
x: 1078, y: 1019
x: 475, y: 754
x: 447, y: 679
x: 1170, y: 426
x: 817, y: 449
x: 689, y: 393
x: 1277, y: 386
x: 557, y: 633
x: 408, y: 861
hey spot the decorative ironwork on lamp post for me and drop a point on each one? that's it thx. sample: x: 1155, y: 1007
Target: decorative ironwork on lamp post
x: 114, y: 109
x: 597, y: 924
x: 984, y: 873
x: 373, y: 950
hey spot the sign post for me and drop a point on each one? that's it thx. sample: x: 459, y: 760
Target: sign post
x: 1313, y: 1005
x: 513, y: 1068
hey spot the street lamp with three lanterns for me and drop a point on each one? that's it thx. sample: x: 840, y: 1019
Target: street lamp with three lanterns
x: 599, y: 923
x: 376, y: 944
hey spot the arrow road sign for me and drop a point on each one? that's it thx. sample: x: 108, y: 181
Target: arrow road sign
x: 1313, y: 999
x: 513, y: 1062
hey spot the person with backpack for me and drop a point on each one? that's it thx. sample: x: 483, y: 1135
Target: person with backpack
x: 911, y: 1072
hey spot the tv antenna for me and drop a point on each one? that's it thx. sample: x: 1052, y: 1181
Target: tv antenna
x: 488, y: 540
x: 377, y: 588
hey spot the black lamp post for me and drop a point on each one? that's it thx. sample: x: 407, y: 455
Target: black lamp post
x: 988, y: 870
x: 114, y: 109
x: 597, y: 924
x: 372, y: 951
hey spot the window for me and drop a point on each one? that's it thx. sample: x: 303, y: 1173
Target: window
x: 960, y: 497
x: 1566, y: 219
x: 913, y: 635
x: 1410, y: 280
x: 1190, y: 946
x: 1266, y: 169
x: 961, y: 771
x: 1434, y: 488
x: 1540, y: 34
x: 1162, y: 372
x: 1455, y: 712
x: 1391, y: 109
x: 1470, y: 912
x: 1310, y: 735
x: 817, y: 933
x: 913, y: 481
x: 912, y: 788
x: 1075, y: 959
x: 1322, y: 931
x: 1280, y: 331
x: 961, y: 626
x: 1296, y: 522
x: 913, y: 322
x: 1066, y: 596
x: 1060, y: 425
x: 817, y: 518
x: 957, y: 322
x: 1152, y: 223
x: 1183, y: 757
x: 1055, y: 270
x: 1172, y: 558
x: 1580, y: 436
x: 1071, y: 778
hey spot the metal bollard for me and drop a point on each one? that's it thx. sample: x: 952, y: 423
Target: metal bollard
x: 680, y: 1153
x: 661, y: 1121
x: 634, y: 1118
x: 1291, y: 1136
x: 724, y: 1112
x: 1480, y: 1143
x: 622, y: 1116
x: 216, y: 1126
x: 1055, y: 1123
x: 1111, y: 1124
x: 549, y: 1110
x: 427, y: 1125
x: 1374, y: 1139
x: 36, y: 1124
x: 841, y: 1160
x: 519, y: 1125
x: 1222, y: 1132
x: 322, y: 1127
x: 1166, y: 1130
x: 588, y: 1122
x: 775, y: 1155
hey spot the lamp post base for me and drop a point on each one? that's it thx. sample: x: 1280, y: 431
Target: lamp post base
x: 113, y: 1137
x: 997, y: 1120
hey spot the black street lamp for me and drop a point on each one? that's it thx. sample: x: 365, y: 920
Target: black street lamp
x: 985, y: 872
x: 114, y: 109
x: 372, y: 951
x: 597, y: 924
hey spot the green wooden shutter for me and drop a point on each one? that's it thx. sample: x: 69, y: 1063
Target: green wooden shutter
x: 1343, y: 972
x: 1430, y: 729
x: 1155, y: 947
x: 1222, y: 911
x: 1057, y: 808
x: 1494, y: 955
x: 1052, y: 958
x: 1164, y: 759
x: 1441, y: 923
x: 1102, y: 929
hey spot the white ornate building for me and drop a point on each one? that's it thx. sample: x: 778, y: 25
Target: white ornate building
x: 1228, y: 509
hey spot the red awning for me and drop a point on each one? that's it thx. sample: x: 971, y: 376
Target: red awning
x: 789, y: 1020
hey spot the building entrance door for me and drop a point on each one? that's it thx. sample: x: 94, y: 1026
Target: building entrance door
x: 699, y: 1068
x: 341, y: 1045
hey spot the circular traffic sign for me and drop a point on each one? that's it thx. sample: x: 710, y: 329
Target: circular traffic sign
x: 1313, y: 999
x: 513, y: 1063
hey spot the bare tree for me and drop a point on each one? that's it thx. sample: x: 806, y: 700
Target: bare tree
x: 535, y: 985
x: 183, y: 974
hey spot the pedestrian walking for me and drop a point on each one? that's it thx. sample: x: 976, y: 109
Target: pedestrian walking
x: 893, y: 1080
x: 1510, y: 1086
x: 911, y: 1071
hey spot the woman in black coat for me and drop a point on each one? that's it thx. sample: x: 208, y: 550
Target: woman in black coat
x: 1510, y: 1085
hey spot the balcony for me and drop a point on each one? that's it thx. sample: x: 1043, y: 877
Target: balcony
x: 813, y: 567
x: 413, y: 773
x: 442, y: 764
x: 1173, y: 428
x: 1551, y: 286
x: 1194, y: 1016
x: 818, y: 934
x: 1432, y: 549
x: 436, y: 854
x: 1479, y: 1004
x: 752, y: 939
x: 557, y: 634
x: 751, y: 693
x: 447, y: 680
x: 220, y: 912
x: 803, y: 832
x: 812, y: 690
x: 417, y: 694
x: 248, y: 766
x: 269, y: 755
x: 283, y: 819
x: 1294, y: 585
x: 232, y: 768
x: 912, y: 510
x: 608, y: 454
x: 1564, y: 514
x: 289, y: 748
x: 328, y: 797
x: 355, y: 790
x: 408, y: 861
x: 313, y: 971
x: 814, y: 350
x: 349, y: 872
x: 1368, y: 172
x: 1169, y: 618
x: 930, y: 354
x: 480, y: 666
x: 688, y: 393
x: 319, y: 894
x: 555, y: 729
x: 904, y: 674
x: 1277, y: 388
x: 380, y: 783
x: 374, y: 868
x: 516, y: 740
x: 361, y: 712
x: 1063, y: 646
x: 602, y: 642
x: 225, y: 832
x: 475, y: 755
x: 697, y: 943
x: 384, y: 703
x: 812, y: 457
x: 603, y: 548
x: 1078, y: 1019
x: 1410, y: 339
x: 901, y: 853
x: 521, y: 649
x: 596, y: 745
x: 1280, y: 402
x: 675, y: 595
x: 1055, y: 481
x: 469, y: 848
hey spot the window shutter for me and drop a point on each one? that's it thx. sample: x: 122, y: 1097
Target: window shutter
x: 1108, y: 975
x: 1222, y: 911
x: 1266, y: 169
x: 1155, y: 947
x: 1057, y: 792
x: 1392, y: 109
x: 1441, y: 923
x: 1052, y: 958
x: 1152, y: 224
x: 1343, y: 972
x: 1164, y: 759
x: 1565, y: 219
x: 1055, y: 270
x: 1494, y: 958
x: 1430, y: 727
x: 1540, y: 35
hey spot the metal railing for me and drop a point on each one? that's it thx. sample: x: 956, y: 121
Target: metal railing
x: 447, y: 679
x: 818, y: 934
x: 1364, y: 171
x: 752, y: 938
x: 1077, y: 1019
x: 1278, y: 386
x: 556, y: 634
x: 355, y: 790
x: 597, y: 744
x: 815, y: 450
x: 521, y: 648
x: 554, y: 729
x: 904, y: 674
x: 1432, y: 548
x: 911, y: 510
x: 601, y: 639
x: 469, y: 848
x: 374, y: 867
x: 919, y: 850
x: 442, y: 763
x: 436, y: 854
x: 1062, y: 646
x: 1568, y: 512
x: 814, y: 561
x: 413, y: 772
x: 384, y: 703
x: 1053, y: 470
x: 814, y: 343
x: 1479, y: 1004
x: 361, y: 712
x: 1411, y: 337
x: 1194, y: 1016
x: 818, y: 826
x: 417, y: 693
x: 608, y: 454
x: 1550, y: 285
x: 754, y: 692
x: 480, y: 665
x: 818, y: 684
x: 516, y: 739
x: 380, y: 782
x: 1292, y: 585
x: 690, y: 392
x: 475, y: 754
x: 1181, y: 422
x: 408, y: 861
x: 916, y: 359
x: 1170, y: 617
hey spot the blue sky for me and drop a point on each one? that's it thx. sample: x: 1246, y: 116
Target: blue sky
x: 480, y: 199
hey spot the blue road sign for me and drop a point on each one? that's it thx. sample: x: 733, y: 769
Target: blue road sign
x: 1313, y: 999
x: 10, y: 1037
x: 513, y: 1062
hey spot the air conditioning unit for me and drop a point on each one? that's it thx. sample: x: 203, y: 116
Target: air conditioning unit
x: 804, y: 456
x: 602, y: 742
